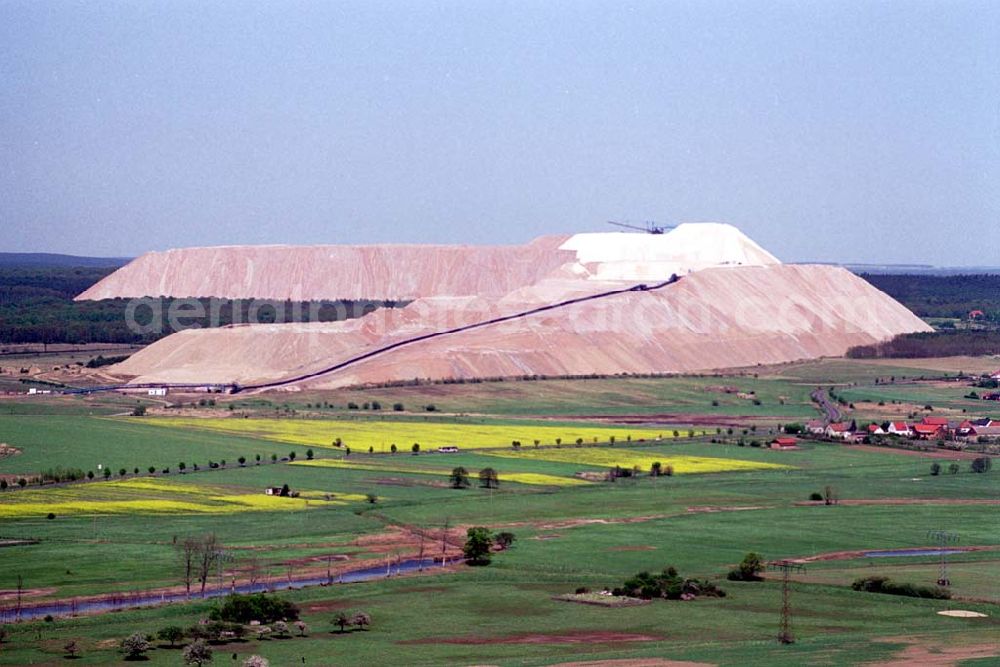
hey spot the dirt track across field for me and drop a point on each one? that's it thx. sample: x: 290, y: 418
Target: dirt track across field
x: 635, y: 662
x: 572, y: 637
x: 930, y: 454
x: 936, y: 655
x: 906, y: 501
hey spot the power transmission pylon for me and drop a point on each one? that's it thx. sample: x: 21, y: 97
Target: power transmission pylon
x: 785, y: 567
x: 943, y: 538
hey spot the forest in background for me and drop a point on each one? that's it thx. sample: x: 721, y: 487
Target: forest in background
x: 36, y: 306
x: 942, y: 296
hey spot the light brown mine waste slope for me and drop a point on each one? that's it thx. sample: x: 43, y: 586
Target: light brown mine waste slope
x: 313, y: 273
x: 712, y: 318
x: 303, y: 273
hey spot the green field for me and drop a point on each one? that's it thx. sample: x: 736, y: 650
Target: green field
x: 590, y: 533
x: 577, y: 398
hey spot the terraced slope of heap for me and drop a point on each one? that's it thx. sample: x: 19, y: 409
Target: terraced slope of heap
x: 304, y: 273
x: 713, y: 318
x: 414, y: 271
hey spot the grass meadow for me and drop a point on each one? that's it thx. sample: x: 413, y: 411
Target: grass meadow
x: 121, y: 535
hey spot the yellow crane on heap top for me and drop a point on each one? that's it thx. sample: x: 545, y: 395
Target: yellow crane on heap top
x: 650, y: 228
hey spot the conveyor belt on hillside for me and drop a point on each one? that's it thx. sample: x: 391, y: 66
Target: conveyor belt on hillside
x: 642, y: 287
x: 235, y: 388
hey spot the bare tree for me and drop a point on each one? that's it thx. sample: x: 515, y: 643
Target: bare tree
x: 209, y: 554
x: 253, y: 570
x: 20, y: 595
x: 188, y: 552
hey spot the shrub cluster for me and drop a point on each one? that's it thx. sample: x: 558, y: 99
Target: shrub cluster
x: 878, y: 584
x: 749, y: 569
x: 669, y: 585
x: 257, y: 607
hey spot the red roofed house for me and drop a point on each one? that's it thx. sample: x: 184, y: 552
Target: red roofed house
x: 785, y: 443
x: 875, y: 429
x: 928, y: 431
x: 900, y: 428
x: 934, y: 421
x: 995, y: 376
x: 816, y: 427
x: 838, y: 430
x: 992, y: 431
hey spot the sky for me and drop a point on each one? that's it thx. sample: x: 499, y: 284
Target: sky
x: 836, y: 131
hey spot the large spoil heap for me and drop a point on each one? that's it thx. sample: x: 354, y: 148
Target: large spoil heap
x: 734, y: 305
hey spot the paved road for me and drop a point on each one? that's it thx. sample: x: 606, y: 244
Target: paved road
x: 831, y: 413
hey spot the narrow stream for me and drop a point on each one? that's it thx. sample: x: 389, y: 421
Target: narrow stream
x: 899, y: 553
x: 146, y: 599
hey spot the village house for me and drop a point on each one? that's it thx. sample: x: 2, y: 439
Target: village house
x: 875, y: 429
x: 816, y: 427
x: 992, y: 431
x: 973, y: 427
x: 929, y: 431
x: 838, y: 430
x: 785, y: 442
x: 899, y: 428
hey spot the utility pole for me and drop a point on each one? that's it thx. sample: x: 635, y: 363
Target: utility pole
x: 943, y: 538
x: 20, y: 592
x: 785, y: 626
x: 420, y: 557
x: 444, y: 539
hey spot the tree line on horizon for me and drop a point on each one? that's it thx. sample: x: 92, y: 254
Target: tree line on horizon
x: 37, y: 306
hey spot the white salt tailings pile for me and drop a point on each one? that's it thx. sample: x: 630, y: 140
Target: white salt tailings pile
x: 689, y: 247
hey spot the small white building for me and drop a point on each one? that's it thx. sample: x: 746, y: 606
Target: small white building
x: 900, y: 428
x: 839, y: 430
x: 816, y: 427
x: 157, y: 391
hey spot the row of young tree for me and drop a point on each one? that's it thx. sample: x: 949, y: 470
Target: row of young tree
x: 237, y: 617
x: 59, y: 475
x: 489, y: 478
x: 981, y: 464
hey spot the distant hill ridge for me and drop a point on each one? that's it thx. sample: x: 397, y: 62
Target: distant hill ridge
x: 48, y: 259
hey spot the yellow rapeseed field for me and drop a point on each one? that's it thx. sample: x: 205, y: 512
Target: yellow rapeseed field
x: 609, y: 457
x: 359, y: 435
x: 540, y: 478
x: 519, y: 477
x: 152, y: 496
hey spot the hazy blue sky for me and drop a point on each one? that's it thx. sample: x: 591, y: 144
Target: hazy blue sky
x: 852, y: 131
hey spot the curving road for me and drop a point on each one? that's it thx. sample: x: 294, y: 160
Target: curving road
x: 831, y: 413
